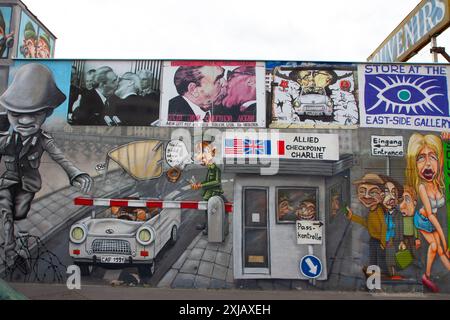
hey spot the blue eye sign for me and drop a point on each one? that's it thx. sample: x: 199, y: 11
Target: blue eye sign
x: 404, y: 96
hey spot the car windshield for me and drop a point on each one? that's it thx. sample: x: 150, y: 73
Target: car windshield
x: 313, y: 90
x: 131, y: 213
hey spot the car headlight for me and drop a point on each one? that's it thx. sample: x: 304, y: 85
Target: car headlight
x: 145, y: 236
x: 78, y: 234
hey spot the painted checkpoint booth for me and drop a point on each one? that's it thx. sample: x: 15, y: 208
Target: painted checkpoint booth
x: 282, y: 217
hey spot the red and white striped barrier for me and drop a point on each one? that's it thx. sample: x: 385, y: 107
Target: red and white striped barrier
x: 197, y: 205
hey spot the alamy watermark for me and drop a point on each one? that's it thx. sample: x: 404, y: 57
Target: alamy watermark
x: 373, y: 281
x: 268, y: 165
x: 74, y: 278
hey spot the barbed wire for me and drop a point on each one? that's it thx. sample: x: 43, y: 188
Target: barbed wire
x: 36, y: 265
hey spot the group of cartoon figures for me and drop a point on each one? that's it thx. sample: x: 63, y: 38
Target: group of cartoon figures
x: 306, y: 210
x: 400, y: 217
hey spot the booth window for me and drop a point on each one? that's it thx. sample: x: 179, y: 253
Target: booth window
x: 296, y: 203
x: 336, y: 200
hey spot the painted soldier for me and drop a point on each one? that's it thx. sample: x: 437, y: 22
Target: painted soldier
x: 212, y: 186
x: 31, y: 98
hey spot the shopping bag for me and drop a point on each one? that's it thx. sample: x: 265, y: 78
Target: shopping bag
x: 403, y: 258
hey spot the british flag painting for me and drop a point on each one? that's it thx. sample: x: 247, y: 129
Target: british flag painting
x: 257, y: 147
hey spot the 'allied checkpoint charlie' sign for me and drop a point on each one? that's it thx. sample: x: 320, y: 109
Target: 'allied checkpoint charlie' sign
x: 301, y: 146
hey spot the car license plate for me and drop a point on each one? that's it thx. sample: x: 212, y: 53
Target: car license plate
x: 113, y: 259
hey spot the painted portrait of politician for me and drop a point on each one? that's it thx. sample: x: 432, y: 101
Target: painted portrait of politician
x: 213, y: 94
x: 313, y: 95
x: 114, y: 93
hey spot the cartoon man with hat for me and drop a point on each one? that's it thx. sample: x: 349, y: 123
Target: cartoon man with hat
x: 43, y: 46
x: 28, y: 48
x: 370, y: 191
x: 212, y: 186
x: 30, y: 99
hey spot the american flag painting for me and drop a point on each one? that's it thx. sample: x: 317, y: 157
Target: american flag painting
x: 234, y: 146
x: 256, y: 146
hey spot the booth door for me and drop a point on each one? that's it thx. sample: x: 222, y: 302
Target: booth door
x: 255, y: 231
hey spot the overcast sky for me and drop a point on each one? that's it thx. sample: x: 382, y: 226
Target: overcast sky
x: 318, y: 30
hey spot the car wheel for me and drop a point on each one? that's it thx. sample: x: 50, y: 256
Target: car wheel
x: 146, y: 271
x: 85, y: 269
x: 174, y: 235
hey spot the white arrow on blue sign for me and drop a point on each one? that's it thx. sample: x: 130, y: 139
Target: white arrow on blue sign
x: 310, y: 266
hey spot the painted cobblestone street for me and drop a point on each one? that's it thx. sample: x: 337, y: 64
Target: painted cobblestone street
x: 203, y: 265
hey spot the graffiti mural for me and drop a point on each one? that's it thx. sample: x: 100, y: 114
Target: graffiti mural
x: 424, y: 173
x: 213, y: 93
x: 34, y: 41
x: 406, y: 233
x: 313, y: 95
x: 114, y: 93
x: 124, y: 229
x: 28, y: 105
x: 92, y: 176
x: 400, y: 96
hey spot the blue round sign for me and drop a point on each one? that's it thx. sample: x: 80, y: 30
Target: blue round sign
x: 310, y: 266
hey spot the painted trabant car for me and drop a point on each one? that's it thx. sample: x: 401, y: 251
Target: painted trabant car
x: 123, y: 237
x: 313, y: 101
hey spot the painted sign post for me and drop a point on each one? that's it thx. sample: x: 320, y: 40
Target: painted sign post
x: 299, y: 146
x: 311, y: 266
x: 429, y: 18
x: 309, y: 232
x: 390, y: 146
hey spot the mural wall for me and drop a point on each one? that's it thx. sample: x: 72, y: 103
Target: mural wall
x: 314, y: 95
x: 404, y: 96
x: 129, y: 140
x: 120, y: 93
x: 401, y: 210
x: 213, y: 93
